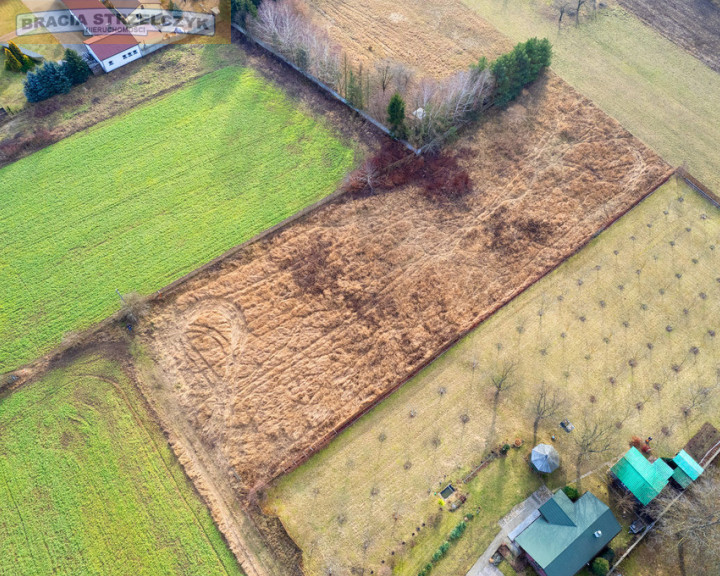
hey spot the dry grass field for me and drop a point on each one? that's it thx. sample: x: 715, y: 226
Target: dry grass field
x: 272, y: 349
x: 658, y: 91
x: 626, y: 332
x: 434, y: 38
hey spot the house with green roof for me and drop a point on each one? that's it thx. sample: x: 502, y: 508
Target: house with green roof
x: 643, y: 479
x: 566, y: 535
x: 686, y: 471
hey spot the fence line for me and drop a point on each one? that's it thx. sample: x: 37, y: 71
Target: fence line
x: 324, y: 87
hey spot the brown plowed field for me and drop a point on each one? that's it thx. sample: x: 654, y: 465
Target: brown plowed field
x: 435, y: 38
x: 691, y: 24
x: 277, y: 346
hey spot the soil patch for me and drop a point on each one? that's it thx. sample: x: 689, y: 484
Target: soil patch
x: 272, y: 350
x: 691, y: 24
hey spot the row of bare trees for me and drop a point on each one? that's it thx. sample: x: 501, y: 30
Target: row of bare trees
x: 435, y: 108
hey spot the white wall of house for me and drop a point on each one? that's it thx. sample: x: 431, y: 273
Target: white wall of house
x: 118, y: 60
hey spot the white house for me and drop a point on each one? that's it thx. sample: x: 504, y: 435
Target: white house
x: 114, y: 50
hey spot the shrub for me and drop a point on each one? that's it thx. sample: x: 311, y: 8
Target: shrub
x: 26, y: 63
x: 600, y: 567
x: 571, y: 492
x: 608, y: 554
x: 76, y: 69
x: 505, y: 448
x: 11, y: 62
x: 457, y: 532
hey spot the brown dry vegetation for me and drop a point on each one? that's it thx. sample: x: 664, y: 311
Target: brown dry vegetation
x: 435, y: 38
x: 691, y: 24
x: 276, y: 347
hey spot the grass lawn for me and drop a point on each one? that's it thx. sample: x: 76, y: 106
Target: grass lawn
x: 90, y: 486
x: 659, y: 92
x: 11, y: 83
x: 627, y: 332
x: 137, y: 201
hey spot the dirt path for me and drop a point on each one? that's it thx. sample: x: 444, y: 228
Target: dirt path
x: 274, y: 348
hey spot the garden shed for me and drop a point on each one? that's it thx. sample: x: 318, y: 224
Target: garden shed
x: 645, y: 480
x: 687, y: 470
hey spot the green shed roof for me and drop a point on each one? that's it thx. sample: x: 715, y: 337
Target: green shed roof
x: 681, y: 478
x: 563, y: 539
x: 643, y: 479
x: 688, y: 465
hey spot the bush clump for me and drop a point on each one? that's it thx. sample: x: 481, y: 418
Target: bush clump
x: 571, y: 492
x: 600, y: 567
x: 457, y: 532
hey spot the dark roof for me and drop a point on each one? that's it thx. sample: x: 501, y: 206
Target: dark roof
x: 643, y: 479
x: 563, y: 539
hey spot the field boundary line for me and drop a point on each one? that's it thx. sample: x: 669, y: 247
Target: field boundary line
x: 324, y: 87
x: 446, y: 347
x: 698, y: 186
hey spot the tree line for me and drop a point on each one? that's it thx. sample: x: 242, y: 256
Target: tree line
x: 56, y: 77
x: 423, y: 110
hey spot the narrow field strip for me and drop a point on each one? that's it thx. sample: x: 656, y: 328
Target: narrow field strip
x: 138, y: 201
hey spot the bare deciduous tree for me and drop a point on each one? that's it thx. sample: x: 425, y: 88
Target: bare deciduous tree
x: 692, y: 522
x: 285, y: 26
x: 443, y: 106
x: 592, y: 438
x: 502, y: 380
x: 547, y: 405
x: 561, y: 6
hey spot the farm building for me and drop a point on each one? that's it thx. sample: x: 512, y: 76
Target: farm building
x: 686, y: 469
x: 114, y: 50
x: 111, y: 43
x: 566, y: 535
x: 642, y: 479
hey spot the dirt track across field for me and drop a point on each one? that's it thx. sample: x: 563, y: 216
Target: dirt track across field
x: 691, y: 24
x: 274, y: 348
x: 435, y: 38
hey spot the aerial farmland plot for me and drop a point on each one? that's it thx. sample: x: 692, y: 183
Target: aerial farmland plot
x: 624, y: 332
x: 136, y: 202
x: 656, y: 89
x: 89, y: 484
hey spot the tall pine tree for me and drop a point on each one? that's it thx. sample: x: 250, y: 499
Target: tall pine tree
x: 53, y: 76
x: 396, y: 115
x: 35, y: 90
x: 76, y: 69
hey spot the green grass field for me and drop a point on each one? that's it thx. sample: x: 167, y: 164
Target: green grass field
x: 659, y: 92
x: 627, y: 332
x: 139, y: 200
x: 89, y: 484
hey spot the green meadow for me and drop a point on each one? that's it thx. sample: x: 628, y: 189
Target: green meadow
x: 89, y: 484
x: 136, y: 202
